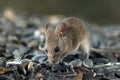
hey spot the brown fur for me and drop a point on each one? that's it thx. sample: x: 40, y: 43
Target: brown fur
x: 69, y: 35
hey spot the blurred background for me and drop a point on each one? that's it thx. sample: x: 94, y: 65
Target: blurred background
x: 102, y: 12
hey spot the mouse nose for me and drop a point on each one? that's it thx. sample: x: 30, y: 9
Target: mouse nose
x: 53, y: 60
x: 50, y: 55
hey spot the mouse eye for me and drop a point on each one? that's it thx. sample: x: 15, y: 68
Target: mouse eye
x: 46, y: 50
x: 56, y: 49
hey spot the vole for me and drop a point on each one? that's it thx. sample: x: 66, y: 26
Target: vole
x: 70, y: 35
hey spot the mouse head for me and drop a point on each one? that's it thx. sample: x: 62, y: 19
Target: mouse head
x: 55, y: 42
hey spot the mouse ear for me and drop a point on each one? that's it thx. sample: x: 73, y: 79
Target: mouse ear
x: 48, y: 29
x: 62, y: 29
x: 47, y: 26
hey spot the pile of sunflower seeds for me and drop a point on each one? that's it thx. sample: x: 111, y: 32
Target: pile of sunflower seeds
x: 23, y: 56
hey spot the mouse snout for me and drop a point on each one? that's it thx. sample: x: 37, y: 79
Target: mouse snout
x: 53, y: 60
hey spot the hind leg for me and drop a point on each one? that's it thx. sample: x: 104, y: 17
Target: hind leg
x: 85, y: 49
x: 86, y: 53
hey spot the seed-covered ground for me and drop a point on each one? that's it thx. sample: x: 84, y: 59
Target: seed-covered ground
x: 23, y: 56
